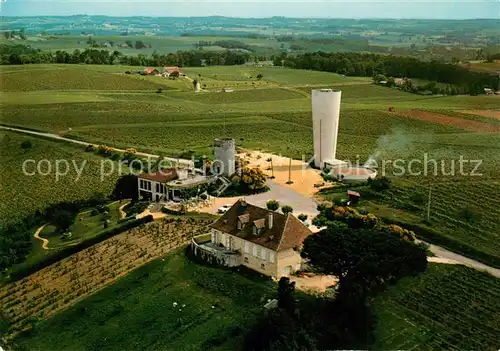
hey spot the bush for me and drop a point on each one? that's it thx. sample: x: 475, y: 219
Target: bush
x: 286, y: 209
x: 302, y: 217
x: 26, y: 145
x: 273, y: 205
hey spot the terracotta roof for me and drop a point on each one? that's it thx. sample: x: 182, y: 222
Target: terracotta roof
x: 172, y: 69
x: 163, y: 176
x: 286, y: 232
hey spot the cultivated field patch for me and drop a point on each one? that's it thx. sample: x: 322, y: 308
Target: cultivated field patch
x: 71, y: 78
x: 484, y: 113
x: 446, y: 308
x: 59, y: 286
x: 465, y: 124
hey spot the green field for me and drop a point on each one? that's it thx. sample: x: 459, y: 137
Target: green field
x: 214, y: 309
x: 274, y: 114
x: 23, y: 194
x: 446, y: 308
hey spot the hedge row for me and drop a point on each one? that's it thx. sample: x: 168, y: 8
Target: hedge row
x: 71, y: 250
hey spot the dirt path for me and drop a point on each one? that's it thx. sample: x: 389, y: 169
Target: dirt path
x: 122, y: 213
x: 45, y: 242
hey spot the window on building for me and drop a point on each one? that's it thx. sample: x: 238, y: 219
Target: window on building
x: 262, y: 253
x: 157, y: 187
x: 263, y: 266
x: 149, y: 185
x: 271, y: 256
x: 247, y: 247
x: 255, y: 250
x: 246, y: 259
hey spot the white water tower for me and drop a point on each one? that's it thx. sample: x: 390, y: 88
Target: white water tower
x: 325, y: 112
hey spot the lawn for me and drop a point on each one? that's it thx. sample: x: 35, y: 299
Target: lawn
x: 446, y: 308
x: 181, y: 305
x: 84, y: 227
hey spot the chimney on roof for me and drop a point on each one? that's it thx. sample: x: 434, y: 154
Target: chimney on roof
x: 270, y: 220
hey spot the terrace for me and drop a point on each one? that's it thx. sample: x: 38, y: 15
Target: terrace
x: 204, y: 248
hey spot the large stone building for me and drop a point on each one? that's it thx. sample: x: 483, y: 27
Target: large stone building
x: 263, y: 240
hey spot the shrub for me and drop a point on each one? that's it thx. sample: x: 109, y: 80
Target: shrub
x: 273, y: 205
x: 286, y: 209
x: 26, y: 145
x: 302, y: 217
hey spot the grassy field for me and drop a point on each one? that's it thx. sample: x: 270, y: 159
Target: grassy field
x: 213, y: 309
x: 22, y: 194
x: 274, y: 114
x: 446, y: 308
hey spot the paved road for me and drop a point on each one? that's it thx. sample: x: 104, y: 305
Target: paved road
x: 448, y: 255
x: 286, y: 196
x: 181, y: 161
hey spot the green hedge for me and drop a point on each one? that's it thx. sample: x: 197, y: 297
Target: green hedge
x: 71, y: 250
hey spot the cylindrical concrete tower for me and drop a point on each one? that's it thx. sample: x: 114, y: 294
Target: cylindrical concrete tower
x: 225, y: 156
x: 325, y: 112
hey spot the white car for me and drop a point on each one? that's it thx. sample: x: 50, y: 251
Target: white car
x: 224, y: 208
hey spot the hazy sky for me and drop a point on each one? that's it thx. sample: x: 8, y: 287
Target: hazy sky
x: 242, y: 8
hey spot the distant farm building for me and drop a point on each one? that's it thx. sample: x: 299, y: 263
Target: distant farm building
x: 167, y: 71
x: 150, y: 71
x: 488, y: 91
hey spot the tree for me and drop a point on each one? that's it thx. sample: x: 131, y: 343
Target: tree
x: 285, y: 294
x: 272, y: 205
x: 63, y: 219
x: 260, y: 76
x: 379, y: 78
x: 364, y: 261
x: 195, y: 83
x: 286, y: 209
x: 26, y: 144
x: 252, y: 178
x: 391, y: 82
x: 174, y: 75
x: 302, y: 217
x: 126, y: 188
x: 380, y: 184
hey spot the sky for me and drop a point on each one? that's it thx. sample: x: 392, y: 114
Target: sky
x: 445, y: 9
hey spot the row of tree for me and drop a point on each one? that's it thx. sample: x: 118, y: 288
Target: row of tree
x: 22, y: 54
x: 369, y: 65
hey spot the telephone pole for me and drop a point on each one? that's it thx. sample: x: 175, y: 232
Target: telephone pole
x: 429, y: 203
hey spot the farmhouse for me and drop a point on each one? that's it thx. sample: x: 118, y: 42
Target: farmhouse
x: 167, y: 184
x: 262, y: 240
x: 150, y: 71
x: 167, y: 71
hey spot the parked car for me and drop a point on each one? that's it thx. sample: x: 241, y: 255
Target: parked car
x: 224, y: 208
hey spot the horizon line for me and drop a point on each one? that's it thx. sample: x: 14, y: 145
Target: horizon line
x: 268, y: 17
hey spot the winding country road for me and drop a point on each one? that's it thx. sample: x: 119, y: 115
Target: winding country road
x: 45, y: 242
x: 441, y: 254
